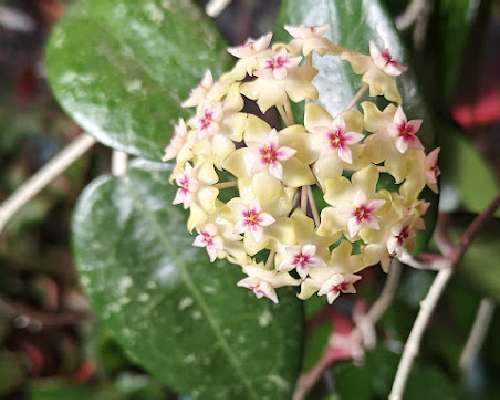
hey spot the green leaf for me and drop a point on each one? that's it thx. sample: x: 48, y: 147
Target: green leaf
x: 120, y: 68
x: 353, y: 23
x: 182, y: 318
x: 467, y: 179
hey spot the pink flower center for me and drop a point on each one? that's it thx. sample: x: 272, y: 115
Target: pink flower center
x: 340, y: 287
x: 337, y: 139
x: 208, y: 240
x: 401, y: 236
x: 206, y: 120
x: 388, y: 58
x: 362, y: 213
x: 251, y: 217
x: 301, y: 260
x: 269, y: 154
x: 276, y: 63
x: 406, y: 131
x: 184, y: 184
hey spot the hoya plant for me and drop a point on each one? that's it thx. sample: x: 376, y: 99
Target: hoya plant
x: 263, y: 179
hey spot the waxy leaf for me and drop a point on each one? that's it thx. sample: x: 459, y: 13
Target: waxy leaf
x: 352, y: 24
x: 121, y: 68
x: 181, y: 317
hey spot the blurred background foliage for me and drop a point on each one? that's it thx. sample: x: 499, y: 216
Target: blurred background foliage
x: 51, y: 347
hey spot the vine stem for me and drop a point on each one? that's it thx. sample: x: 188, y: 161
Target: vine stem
x: 44, y: 177
x: 428, y: 305
x: 412, y: 344
x: 477, y: 334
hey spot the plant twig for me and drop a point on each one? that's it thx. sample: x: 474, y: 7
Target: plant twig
x: 428, y: 305
x: 413, y: 342
x: 436, y: 264
x: 42, y: 178
x: 24, y: 316
x: 477, y: 334
x: 366, y: 325
x: 472, y: 230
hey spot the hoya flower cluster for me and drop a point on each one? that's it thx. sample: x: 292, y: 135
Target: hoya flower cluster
x: 251, y: 187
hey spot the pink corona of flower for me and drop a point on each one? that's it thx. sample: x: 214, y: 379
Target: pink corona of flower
x: 405, y: 131
x: 261, y: 288
x: 208, y: 237
x: 269, y: 155
x: 397, y: 240
x: 188, y: 186
x: 300, y: 258
x: 336, y: 284
x: 384, y: 61
x: 278, y: 65
x: 340, y: 141
x: 363, y: 213
x: 207, y: 120
x: 251, y: 219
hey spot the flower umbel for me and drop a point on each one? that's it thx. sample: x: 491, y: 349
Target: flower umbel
x: 252, y: 187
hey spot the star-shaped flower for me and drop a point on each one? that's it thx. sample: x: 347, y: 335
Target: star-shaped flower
x: 280, y: 78
x: 199, y: 93
x: 188, y: 186
x: 250, y: 219
x: 179, y: 139
x: 379, y: 71
x: 277, y: 65
x: 405, y: 131
x: 355, y: 203
x: 263, y: 282
x: 310, y: 38
x: 268, y: 155
x: 251, y: 47
x: 336, y: 284
x: 363, y: 213
x: 300, y: 258
x: 384, y: 61
x: 208, y: 237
